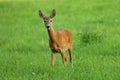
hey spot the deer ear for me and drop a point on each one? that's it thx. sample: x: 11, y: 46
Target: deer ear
x: 41, y: 14
x: 53, y: 13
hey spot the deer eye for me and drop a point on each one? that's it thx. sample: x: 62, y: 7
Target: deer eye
x: 50, y: 20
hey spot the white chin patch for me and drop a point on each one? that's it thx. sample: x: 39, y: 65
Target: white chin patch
x: 48, y: 28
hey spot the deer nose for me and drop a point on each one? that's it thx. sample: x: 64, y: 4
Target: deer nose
x: 47, y: 25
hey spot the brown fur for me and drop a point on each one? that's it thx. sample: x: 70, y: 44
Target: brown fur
x: 59, y: 41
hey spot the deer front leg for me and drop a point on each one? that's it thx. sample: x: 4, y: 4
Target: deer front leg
x: 53, y: 58
x: 64, y: 58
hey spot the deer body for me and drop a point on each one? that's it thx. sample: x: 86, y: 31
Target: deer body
x: 59, y: 41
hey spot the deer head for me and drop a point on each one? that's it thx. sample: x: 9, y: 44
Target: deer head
x: 47, y: 20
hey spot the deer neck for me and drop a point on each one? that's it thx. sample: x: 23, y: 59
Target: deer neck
x: 51, y: 33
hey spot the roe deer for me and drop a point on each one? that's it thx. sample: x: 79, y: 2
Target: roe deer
x: 59, y: 41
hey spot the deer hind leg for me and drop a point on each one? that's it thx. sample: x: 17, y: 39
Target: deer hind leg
x: 64, y: 58
x: 70, y: 54
x: 53, y: 58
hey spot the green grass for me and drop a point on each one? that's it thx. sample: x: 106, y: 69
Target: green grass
x: 24, y: 48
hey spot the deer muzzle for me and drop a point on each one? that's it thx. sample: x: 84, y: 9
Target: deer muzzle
x: 47, y: 24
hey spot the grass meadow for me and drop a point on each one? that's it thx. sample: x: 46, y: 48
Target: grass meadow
x: 24, y: 48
